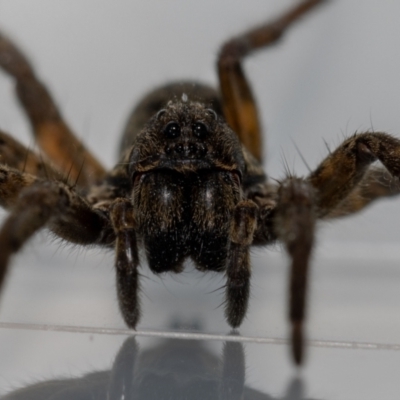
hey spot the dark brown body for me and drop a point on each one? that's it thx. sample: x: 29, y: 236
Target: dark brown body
x: 186, y: 210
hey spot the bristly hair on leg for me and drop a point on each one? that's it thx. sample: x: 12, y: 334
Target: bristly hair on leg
x: 301, y: 155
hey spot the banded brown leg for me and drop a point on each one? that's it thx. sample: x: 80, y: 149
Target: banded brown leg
x: 338, y: 178
x: 52, y: 133
x: 294, y: 225
x: 13, y: 154
x: 36, y: 204
x: 376, y: 183
x: 238, y: 270
x: 239, y: 105
x: 127, y: 261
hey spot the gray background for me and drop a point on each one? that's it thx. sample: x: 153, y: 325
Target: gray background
x: 335, y: 73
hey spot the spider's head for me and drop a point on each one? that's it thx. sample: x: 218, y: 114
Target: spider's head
x: 186, y: 137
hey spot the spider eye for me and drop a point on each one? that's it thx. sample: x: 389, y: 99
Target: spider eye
x: 172, y: 130
x: 200, y: 130
x: 213, y: 113
x: 161, y: 113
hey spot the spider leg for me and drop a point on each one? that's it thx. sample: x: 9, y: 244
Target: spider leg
x: 376, y: 183
x: 15, y: 155
x: 345, y: 174
x: 51, y: 131
x: 46, y: 204
x: 12, y: 182
x: 300, y: 202
x: 127, y: 260
x: 238, y: 269
x: 294, y: 223
x: 238, y: 101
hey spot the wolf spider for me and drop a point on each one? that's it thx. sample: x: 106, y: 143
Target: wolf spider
x: 189, y: 183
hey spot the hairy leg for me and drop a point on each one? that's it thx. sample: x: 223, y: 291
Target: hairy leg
x: 376, y: 183
x: 12, y: 182
x: 46, y: 204
x: 343, y: 183
x: 238, y: 270
x: 294, y: 225
x: 238, y: 101
x: 127, y: 260
x: 347, y: 167
x: 13, y: 154
x: 51, y: 131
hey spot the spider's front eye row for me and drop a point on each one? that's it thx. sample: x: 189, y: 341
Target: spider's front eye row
x: 172, y: 130
x: 200, y: 130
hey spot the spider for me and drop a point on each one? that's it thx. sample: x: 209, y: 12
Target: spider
x: 189, y: 182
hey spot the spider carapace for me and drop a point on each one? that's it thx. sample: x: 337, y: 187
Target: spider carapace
x: 189, y: 183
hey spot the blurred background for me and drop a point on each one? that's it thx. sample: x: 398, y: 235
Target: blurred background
x: 334, y: 73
